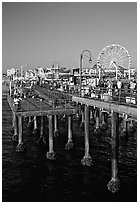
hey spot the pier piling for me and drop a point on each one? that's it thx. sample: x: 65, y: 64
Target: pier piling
x: 41, y: 138
x: 87, y: 160
x: 91, y: 115
x: 125, y: 124
x: 114, y: 183
x: 14, y: 122
x: 55, y: 125
x: 97, y: 115
x: 35, y: 125
x: 69, y: 144
x: 51, y: 154
x: 83, y: 116
x: 41, y: 128
x: 20, y: 146
x: 29, y: 121
x: 103, y: 117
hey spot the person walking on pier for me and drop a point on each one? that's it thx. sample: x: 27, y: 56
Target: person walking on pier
x: 110, y: 87
x: 15, y: 93
x: 132, y: 86
x: 17, y: 104
x: 119, y: 86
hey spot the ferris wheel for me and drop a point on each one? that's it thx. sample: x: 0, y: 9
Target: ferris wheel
x: 113, y: 58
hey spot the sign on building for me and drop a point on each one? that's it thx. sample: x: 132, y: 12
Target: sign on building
x: 8, y: 72
x: 12, y: 71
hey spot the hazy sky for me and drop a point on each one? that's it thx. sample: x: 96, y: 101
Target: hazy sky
x: 38, y: 34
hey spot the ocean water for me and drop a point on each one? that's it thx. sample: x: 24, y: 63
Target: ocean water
x: 30, y: 177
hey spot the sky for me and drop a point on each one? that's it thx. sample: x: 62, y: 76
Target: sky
x: 39, y: 33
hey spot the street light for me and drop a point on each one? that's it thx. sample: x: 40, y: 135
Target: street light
x: 22, y: 72
x: 22, y: 69
x: 54, y: 63
x: 81, y: 65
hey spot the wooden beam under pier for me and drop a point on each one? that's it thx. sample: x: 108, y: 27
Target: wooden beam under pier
x: 47, y: 112
x: 132, y: 111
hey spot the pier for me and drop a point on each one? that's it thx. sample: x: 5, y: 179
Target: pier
x: 51, y: 104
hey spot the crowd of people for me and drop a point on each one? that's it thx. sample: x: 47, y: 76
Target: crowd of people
x: 105, y: 87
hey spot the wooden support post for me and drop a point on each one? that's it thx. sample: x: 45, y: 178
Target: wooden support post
x: 100, y: 113
x: 55, y: 126
x: 20, y: 146
x: 103, y: 117
x: 15, y: 121
x: 35, y: 122
x: 106, y: 117
x: 41, y: 128
x: 42, y: 138
x: 114, y: 183
x: 77, y: 116
x: 29, y: 121
x: 51, y: 154
x: 69, y: 144
x: 131, y: 126
x: 92, y: 115
x: 125, y: 124
x: 87, y: 160
x: 29, y: 118
x: 35, y: 125
x: 63, y: 117
x: 97, y: 119
x: 131, y: 123
x: 83, y: 116
x: 103, y: 121
x: 79, y: 106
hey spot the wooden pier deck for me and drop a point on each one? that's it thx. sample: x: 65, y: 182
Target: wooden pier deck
x: 39, y: 107
x: 106, y: 105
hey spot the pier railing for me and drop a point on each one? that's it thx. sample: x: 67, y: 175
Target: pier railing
x: 126, y: 97
x: 56, y: 98
x: 119, y: 96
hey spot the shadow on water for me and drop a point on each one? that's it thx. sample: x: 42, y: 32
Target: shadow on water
x: 30, y: 177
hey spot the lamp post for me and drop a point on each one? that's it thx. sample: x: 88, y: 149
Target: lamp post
x: 99, y: 69
x: 16, y: 74
x: 22, y: 69
x: 22, y: 72
x: 81, y: 65
x: 54, y: 63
